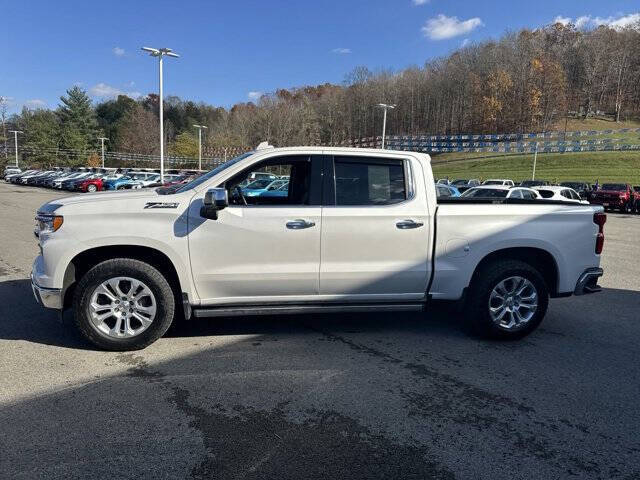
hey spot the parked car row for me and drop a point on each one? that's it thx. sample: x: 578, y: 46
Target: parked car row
x: 622, y: 197
x: 98, y: 179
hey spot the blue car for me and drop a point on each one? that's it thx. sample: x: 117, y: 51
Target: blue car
x: 121, y: 183
x: 259, y: 187
x: 280, y: 191
x: 446, y: 191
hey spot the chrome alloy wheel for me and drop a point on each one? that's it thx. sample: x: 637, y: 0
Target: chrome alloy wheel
x: 513, y: 303
x: 122, y: 307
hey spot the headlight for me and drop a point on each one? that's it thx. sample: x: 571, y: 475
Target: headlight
x: 48, y: 223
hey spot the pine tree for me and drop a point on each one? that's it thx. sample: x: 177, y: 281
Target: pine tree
x: 77, y: 121
x: 41, y: 134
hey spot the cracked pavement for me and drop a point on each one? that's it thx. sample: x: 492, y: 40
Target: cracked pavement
x: 406, y: 395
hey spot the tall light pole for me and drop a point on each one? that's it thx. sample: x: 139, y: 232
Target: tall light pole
x: 15, y: 137
x: 102, y: 140
x: 535, y: 159
x: 161, y: 52
x: 200, y: 127
x: 386, y: 107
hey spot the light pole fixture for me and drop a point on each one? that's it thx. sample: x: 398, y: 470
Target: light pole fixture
x: 15, y: 137
x: 161, y: 52
x: 102, y: 140
x: 535, y: 159
x: 200, y: 127
x: 386, y: 107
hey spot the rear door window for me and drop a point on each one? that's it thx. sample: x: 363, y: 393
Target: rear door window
x: 369, y: 181
x: 517, y: 193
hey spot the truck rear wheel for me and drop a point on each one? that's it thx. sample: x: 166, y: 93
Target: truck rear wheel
x: 123, y: 304
x: 508, y: 300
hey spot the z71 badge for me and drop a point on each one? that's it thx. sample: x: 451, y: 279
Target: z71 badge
x: 161, y: 205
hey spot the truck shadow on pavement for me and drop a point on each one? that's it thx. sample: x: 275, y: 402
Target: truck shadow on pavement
x: 352, y: 396
x: 21, y: 318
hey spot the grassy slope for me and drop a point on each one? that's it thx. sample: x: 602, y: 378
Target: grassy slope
x: 588, y: 166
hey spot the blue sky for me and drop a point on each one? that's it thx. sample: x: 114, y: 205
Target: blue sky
x: 231, y: 49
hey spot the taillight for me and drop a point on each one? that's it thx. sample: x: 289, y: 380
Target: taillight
x: 600, y: 219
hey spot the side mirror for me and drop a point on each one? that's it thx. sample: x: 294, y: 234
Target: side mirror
x: 214, y: 199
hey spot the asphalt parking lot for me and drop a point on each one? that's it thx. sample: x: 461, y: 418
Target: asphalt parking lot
x: 357, y: 396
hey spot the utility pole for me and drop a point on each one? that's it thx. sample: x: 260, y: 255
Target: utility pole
x: 3, y: 118
x: 15, y: 136
x: 386, y: 107
x: 161, y: 52
x: 200, y: 127
x: 535, y: 158
x: 102, y: 140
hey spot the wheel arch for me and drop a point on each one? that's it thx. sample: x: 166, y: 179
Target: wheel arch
x: 87, y: 259
x: 542, y: 260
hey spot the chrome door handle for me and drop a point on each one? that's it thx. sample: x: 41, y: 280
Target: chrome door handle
x: 407, y: 224
x: 299, y: 224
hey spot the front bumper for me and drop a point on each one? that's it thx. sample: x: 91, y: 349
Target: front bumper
x: 588, y: 281
x: 47, y: 297
x: 609, y: 202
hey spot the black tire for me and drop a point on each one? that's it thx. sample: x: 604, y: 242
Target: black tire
x: 480, y: 322
x: 157, y: 283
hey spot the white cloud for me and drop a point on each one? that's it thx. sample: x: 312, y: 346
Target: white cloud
x: 443, y: 27
x: 621, y: 21
x: 587, y: 21
x: 118, y: 52
x: 420, y: 2
x: 465, y: 42
x: 102, y: 90
x: 255, y: 95
x: 35, y: 103
x: 562, y: 20
x: 582, y: 22
x: 341, y: 51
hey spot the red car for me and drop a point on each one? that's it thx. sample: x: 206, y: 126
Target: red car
x: 90, y: 185
x: 636, y: 198
x: 614, y: 196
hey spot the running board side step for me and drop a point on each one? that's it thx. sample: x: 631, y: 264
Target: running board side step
x: 236, y: 311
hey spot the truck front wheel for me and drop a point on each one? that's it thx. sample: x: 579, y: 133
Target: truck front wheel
x: 508, y: 299
x: 123, y: 304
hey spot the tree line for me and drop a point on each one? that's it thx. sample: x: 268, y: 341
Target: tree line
x: 526, y: 81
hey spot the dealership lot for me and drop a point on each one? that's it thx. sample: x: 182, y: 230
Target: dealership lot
x: 355, y: 396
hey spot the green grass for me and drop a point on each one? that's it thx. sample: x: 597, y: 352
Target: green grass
x: 555, y: 167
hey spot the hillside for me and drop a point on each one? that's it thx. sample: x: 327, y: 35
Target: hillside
x: 587, y: 166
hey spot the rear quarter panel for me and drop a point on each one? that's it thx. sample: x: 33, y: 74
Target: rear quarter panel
x: 467, y: 233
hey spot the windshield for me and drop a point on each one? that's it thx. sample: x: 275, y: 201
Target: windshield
x: 531, y: 183
x: 574, y: 185
x: 485, y: 193
x: 614, y: 186
x: 200, y: 180
x: 493, y: 182
x: 460, y: 182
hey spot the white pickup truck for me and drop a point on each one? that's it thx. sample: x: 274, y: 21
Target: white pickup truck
x: 356, y: 230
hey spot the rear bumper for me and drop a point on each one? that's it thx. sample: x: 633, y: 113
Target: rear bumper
x: 47, y: 297
x: 588, y: 281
